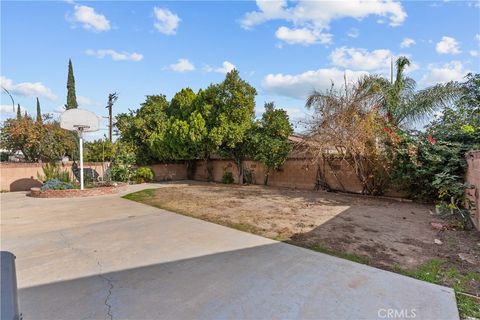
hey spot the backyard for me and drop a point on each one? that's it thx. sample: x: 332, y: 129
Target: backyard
x: 386, y: 233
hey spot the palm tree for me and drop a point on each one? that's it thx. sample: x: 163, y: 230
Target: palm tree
x: 401, y: 103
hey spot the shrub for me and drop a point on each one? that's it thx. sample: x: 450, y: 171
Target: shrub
x: 55, y: 184
x: 143, y: 174
x: 228, y: 178
x: 52, y: 171
x: 121, y: 168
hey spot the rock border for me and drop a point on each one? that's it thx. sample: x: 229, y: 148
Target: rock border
x: 77, y: 193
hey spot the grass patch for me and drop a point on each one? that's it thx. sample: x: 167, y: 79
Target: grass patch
x: 434, y: 271
x: 140, y: 196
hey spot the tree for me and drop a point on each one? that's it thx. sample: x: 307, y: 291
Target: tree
x: 19, y: 112
x: 36, y: 141
x: 99, y: 150
x: 431, y: 165
x: 401, y: 103
x: 144, y: 129
x: 228, y: 111
x: 348, y: 124
x: 271, y: 139
x: 39, y: 113
x: 71, y: 96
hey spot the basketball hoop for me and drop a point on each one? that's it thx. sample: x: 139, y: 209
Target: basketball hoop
x: 81, y: 121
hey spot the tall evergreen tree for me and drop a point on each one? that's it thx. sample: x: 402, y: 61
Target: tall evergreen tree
x: 19, y: 112
x: 39, y: 112
x: 71, y: 96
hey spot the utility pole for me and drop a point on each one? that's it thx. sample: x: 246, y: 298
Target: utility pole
x: 112, y: 98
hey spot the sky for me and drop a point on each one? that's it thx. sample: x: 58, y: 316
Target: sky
x: 285, y: 49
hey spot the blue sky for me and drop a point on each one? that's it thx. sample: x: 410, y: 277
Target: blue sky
x: 284, y: 49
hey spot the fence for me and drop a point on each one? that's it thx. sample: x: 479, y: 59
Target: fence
x: 473, y: 195
x: 20, y: 176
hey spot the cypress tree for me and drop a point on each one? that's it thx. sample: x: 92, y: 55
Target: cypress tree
x: 19, y: 113
x: 26, y: 115
x: 71, y: 96
x: 39, y: 112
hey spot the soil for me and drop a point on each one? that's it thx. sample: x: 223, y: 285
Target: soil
x: 390, y: 233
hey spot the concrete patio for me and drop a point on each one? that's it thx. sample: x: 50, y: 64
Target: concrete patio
x: 110, y: 258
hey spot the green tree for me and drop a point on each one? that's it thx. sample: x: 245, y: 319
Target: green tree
x: 431, y: 165
x: 71, y: 95
x: 401, y: 103
x: 228, y: 110
x: 271, y: 139
x: 144, y: 129
x: 19, y: 112
x: 39, y: 112
x: 99, y: 150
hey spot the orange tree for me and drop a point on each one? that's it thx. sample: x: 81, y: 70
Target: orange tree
x: 37, y: 140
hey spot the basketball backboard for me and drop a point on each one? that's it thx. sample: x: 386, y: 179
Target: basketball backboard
x: 79, y: 120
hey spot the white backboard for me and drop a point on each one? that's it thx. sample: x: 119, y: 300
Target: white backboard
x: 79, y: 120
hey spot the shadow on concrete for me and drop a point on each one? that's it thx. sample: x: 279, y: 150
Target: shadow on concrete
x: 24, y: 184
x: 262, y: 282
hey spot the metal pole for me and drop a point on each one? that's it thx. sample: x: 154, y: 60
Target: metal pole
x: 81, y: 159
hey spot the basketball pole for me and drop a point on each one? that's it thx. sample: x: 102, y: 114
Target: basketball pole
x: 81, y: 158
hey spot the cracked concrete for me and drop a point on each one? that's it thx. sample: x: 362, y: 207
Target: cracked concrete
x: 109, y: 294
x: 106, y: 257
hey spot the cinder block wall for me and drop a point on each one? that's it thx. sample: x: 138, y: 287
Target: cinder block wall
x: 295, y: 173
x: 473, y: 177
x: 23, y: 176
x: 169, y: 171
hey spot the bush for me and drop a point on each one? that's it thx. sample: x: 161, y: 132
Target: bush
x: 143, y: 174
x: 55, y: 184
x: 53, y: 171
x: 121, y: 168
x: 228, y: 178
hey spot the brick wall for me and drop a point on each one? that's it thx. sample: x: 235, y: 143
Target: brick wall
x: 23, y: 176
x: 473, y: 177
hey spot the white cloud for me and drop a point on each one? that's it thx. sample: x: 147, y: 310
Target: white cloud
x: 226, y: 67
x: 452, y: 71
x: 361, y: 59
x: 316, y: 16
x: 28, y: 89
x: 84, y: 101
x: 353, y: 33
x: 473, y: 53
x: 447, y: 45
x: 477, y: 37
x: 166, y: 21
x: 407, y: 43
x: 299, y: 86
x: 116, y: 56
x: 182, y: 65
x: 8, y: 109
x: 90, y: 19
x: 303, y: 36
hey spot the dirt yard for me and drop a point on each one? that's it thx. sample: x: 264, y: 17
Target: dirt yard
x: 384, y: 233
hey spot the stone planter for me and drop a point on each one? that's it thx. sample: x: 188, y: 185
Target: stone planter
x: 75, y: 193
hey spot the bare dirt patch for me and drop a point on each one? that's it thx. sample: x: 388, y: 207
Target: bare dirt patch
x: 389, y: 234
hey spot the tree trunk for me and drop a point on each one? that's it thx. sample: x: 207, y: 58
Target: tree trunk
x: 267, y: 174
x: 209, y: 169
x: 191, y: 169
x: 239, y: 163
